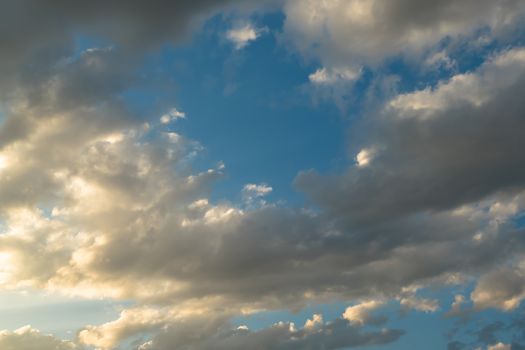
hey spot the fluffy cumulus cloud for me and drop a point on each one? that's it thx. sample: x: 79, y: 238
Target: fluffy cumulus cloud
x: 97, y: 201
x: 360, y: 314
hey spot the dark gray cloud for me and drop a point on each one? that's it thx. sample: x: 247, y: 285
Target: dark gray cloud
x: 37, y: 33
x: 30, y: 27
x: 435, y: 149
x: 40, y: 66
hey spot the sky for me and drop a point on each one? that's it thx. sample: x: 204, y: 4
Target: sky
x: 262, y: 174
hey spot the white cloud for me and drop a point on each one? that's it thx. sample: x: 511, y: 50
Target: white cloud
x: 257, y: 190
x: 329, y: 76
x: 365, y: 156
x: 313, y: 323
x: 173, y: 114
x: 242, y: 35
x: 475, y: 89
x: 360, y: 314
x: 253, y: 194
x: 420, y: 304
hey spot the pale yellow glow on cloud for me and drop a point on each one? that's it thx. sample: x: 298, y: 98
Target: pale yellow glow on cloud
x: 6, y: 266
x: 360, y: 314
x: 365, y: 156
x: 4, y: 162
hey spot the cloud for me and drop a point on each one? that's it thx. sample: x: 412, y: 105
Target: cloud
x: 158, y: 329
x: 253, y: 193
x: 455, y: 308
x: 171, y: 115
x: 324, y: 76
x: 429, y: 103
x: 28, y: 338
x: 503, y: 288
x: 44, y: 36
x: 182, y: 247
x: 132, y: 322
x: 257, y: 190
x: 419, y: 304
x: 107, y: 185
x: 242, y: 35
x: 357, y: 32
x: 365, y: 156
x: 129, y: 23
x: 333, y: 84
x: 314, y: 323
x: 360, y: 314
x: 439, y: 148
x: 95, y: 179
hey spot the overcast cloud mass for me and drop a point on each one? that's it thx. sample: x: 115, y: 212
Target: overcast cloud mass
x: 107, y: 194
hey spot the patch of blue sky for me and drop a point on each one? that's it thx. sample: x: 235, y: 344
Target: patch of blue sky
x: 519, y: 221
x: 247, y: 108
x: 449, y: 57
x: 252, y: 108
x: 58, y: 315
x: 489, y: 327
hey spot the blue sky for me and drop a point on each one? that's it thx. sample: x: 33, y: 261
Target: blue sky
x: 273, y: 174
x: 275, y: 123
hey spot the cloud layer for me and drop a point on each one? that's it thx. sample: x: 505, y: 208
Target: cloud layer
x: 98, y: 201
